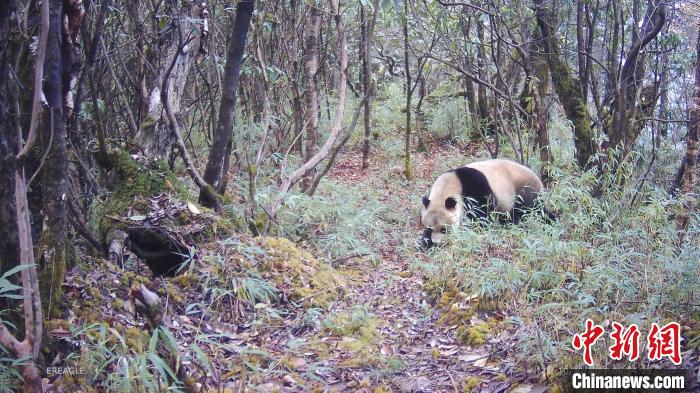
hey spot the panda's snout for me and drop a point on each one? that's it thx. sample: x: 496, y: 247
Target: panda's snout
x: 426, y: 240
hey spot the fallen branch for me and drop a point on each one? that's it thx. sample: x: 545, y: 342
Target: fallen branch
x: 349, y: 256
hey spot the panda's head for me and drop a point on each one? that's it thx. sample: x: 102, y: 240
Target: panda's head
x: 441, y: 210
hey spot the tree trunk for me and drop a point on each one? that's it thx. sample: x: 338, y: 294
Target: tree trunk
x: 566, y: 87
x: 541, y: 72
x: 311, y: 77
x: 224, y: 125
x: 53, y: 248
x: 409, y: 93
x: 484, y: 114
x: 631, y: 76
x: 367, y: 88
x: 154, y: 136
x: 364, y: 47
x: 9, y: 252
x: 689, y: 179
x: 470, y: 93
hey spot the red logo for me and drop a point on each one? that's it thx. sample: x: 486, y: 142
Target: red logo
x: 587, y: 339
x: 665, y: 341
x: 661, y: 342
x: 626, y: 342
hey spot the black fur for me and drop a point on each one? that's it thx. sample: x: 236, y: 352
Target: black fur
x: 524, y: 201
x: 476, y: 192
x: 450, y: 203
x: 426, y: 240
x: 426, y: 201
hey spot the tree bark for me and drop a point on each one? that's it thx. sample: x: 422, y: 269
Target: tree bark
x: 9, y: 251
x: 311, y: 77
x: 224, y: 125
x: 566, y: 87
x: 484, y: 114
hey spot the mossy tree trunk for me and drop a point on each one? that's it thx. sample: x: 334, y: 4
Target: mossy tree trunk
x: 567, y: 88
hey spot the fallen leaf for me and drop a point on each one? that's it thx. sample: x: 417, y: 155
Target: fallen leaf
x: 194, y: 209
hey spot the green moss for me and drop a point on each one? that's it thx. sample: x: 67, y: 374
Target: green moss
x: 474, y: 335
x: 173, y: 293
x: 136, y: 339
x: 313, y: 283
x: 470, y: 383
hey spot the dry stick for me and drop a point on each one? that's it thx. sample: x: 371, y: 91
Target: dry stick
x: 347, y: 257
x: 336, y: 126
x: 46, y: 153
x: 175, y: 129
x: 38, y: 79
x: 33, y: 318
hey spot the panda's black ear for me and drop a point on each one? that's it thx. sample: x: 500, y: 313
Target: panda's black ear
x: 426, y: 201
x: 450, y: 203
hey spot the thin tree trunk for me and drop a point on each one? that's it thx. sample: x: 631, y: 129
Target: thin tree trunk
x: 311, y: 78
x: 12, y: 170
x: 368, y: 29
x: 364, y: 45
x: 409, y: 93
x: 484, y: 114
x: 224, y: 125
x: 53, y: 245
x: 631, y: 77
x: 336, y: 125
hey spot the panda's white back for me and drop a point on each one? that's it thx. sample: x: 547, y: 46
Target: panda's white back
x: 506, y: 178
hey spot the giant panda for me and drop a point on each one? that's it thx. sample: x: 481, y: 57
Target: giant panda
x: 477, y: 189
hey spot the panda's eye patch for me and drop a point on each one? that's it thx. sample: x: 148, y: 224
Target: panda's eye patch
x: 443, y: 230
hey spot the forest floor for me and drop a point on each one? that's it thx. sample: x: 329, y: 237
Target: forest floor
x: 375, y: 324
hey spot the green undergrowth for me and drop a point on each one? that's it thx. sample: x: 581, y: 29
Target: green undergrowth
x: 604, y: 258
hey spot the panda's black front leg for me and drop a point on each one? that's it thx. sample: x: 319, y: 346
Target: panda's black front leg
x: 426, y: 241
